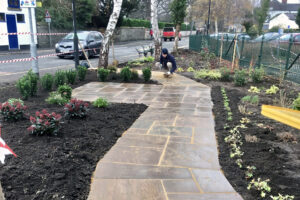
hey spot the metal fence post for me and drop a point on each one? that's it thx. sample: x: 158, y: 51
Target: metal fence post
x: 261, y: 51
x: 242, y: 49
x: 217, y: 48
x: 288, y: 55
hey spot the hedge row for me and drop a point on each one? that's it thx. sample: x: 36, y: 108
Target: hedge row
x: 129, y: 22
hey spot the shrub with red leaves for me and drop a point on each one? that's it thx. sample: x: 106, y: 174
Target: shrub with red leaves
x: 44, y: 123
x: 12, y: 111
x: 76, y: 109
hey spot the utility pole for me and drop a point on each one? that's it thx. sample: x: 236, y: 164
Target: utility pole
x: 208, y: 20
x: 33, y: 51
x: 76, y: 56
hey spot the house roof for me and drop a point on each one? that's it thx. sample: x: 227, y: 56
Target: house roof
x: 277, y: 6
x: 291, y: 16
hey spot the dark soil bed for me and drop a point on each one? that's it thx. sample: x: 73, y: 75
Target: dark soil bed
x: 59, y: 167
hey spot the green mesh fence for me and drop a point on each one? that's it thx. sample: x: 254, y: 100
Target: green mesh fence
x: 278, y: 59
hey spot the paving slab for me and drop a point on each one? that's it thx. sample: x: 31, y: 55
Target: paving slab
x: 170, y: 151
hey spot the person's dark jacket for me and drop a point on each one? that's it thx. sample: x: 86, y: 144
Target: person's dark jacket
x: 167, y: 59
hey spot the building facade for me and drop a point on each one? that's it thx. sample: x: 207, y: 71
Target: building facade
x: 14, y: 19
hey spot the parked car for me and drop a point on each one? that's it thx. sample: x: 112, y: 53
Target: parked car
x: 244, y: 36
x: 267, y: 37
x: 90, y: 40
x: 286, y: 38
x: 169, y: 33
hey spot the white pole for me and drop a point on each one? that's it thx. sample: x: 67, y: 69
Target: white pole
x: 33, y: 52
x: 49, y: 30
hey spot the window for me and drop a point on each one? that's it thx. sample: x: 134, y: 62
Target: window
x: 13, y: 3
x: 20, y: 18
x: 98, y: 36
x: 297, y: 38
x: 2, y: 17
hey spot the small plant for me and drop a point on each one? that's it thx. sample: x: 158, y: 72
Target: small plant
x: 254, y: 100
x: 44, y: 123
x: 27, y: 85
x: 76, y: 109
x: 65, y: 91
x: 59, y: 78
x: 102, y: 74
x: 245, y: 120
x: 71, y: 76
x: 190, y: 69
x: 207, y: 74
x: 13, y: 109
x: 149, y: 59
x: 250, y: 171
x: 251, y: 139
x: 225, y: 74
x: 126, y: 74
x: 240, y: 77
x: 286, y: 137
x: 191, y: 64
x: 179, y: 70
x: 47, y: 82
x: 257, y: 75
x: 147, y: 74
x: 100, y: 103
x: 226, y: 104
x: 239, y: 163
x: 56, y: 98
x: 112, y: 72
x: 135, y: 74
x: 81, y: 71
x: 273, y: 90
x: 254, y: 90
x: 281, y: 197
x: 296, y: 103
x: 261, y: 186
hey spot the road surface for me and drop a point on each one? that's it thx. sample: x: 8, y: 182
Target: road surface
x: 123, y: 52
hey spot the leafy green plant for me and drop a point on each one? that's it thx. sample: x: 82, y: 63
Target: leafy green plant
x: 281, y: 197
x: 180, y: 70
x: 191, y: 64
x: 44, y: 123
x: 81, y: 71
x: 296, y: 103
x: 250, y: 171
x: 27, y: 85
x: 254, y: 90
x: 149, y: 59
x: 207, y: 74
x: 100, y: 103
x: 261, y: 186
x: 13, y: 109
x: 126, y: 74
x: 47, y: 82
x: 134, y: 74
x: 112, y: 72
x: 59, y: 78
x: 254, y: 100
x: 56, y: 98
x: 257, y: 75
x: 65, y: 91
x: 240, y: 77
x: 226, y: 104
x: 102, y: 74
x: 147, y: 74
x: 190, y: 69
x: 76, y: 109
x: 273, y: 90
x: 225, y: 74
x: 71, y: 76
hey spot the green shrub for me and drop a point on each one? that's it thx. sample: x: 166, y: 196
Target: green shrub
x: 180, y: 69
x: 149, y: 59
x: 134, y: 74
x: 225, y: 74
x: 257, y: 75
x: 59, y: 78
x: 190, y: 69
x: 112, y: 69
x: 100, y: 103
x: 147, y: 74
x: 56, y: 98
x: 47, y: 82
x: 207, y: 74
x: 27, y: 85
x: 81, y: 71
x: 240, y: 77
x: 71, y: 76
x: 102, y: 74
x: 273, y: 90
x: 65, y: 91
x: 126, y: 74
x: 296, y: 103
x: 254, y: 100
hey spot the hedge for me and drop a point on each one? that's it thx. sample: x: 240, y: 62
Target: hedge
x: 130, y: 22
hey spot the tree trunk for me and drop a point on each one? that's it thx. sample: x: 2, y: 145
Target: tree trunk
x: 176, y: 39
x: 103, y: 58
x: 155, y: 29
x: 216, y: 25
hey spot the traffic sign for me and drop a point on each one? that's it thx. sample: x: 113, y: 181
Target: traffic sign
x: 28, y: 3
x: 47, y: 14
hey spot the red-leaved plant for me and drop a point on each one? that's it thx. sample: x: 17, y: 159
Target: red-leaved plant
x: 12, y: 111
x: 44, y: 123
x: 76, y: 109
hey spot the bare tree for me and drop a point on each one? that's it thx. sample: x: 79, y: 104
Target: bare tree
x: 155, y: 29
x: 103, y: 58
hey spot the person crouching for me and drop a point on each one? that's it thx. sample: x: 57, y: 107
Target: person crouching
x: 167, y: 62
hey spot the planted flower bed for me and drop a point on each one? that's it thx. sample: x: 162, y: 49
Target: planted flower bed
x: 57, y: 146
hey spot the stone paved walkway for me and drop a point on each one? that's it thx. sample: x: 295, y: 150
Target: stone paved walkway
x: 170, y: 152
